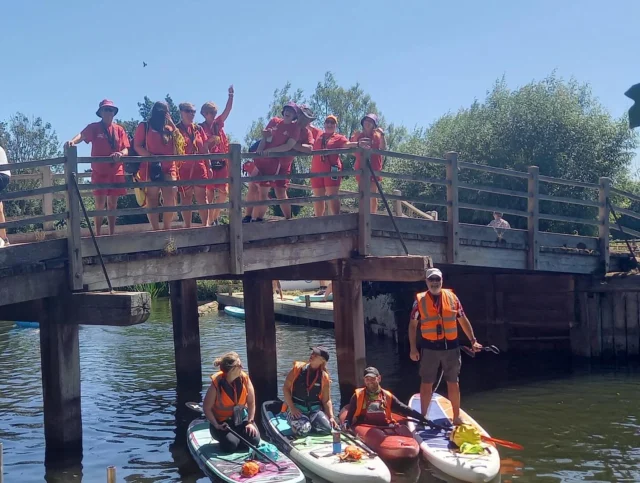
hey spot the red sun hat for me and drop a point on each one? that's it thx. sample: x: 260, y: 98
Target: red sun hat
x: 106, y: 103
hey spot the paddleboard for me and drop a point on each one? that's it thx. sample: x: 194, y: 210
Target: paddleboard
x: 314, y: 452
x: 234, y: 311
x: 394, y: 444
x: 27, y: 325
x: 300, y: 284
x: 441, y: 453
x: 227, y: 466
x: 313, y: 298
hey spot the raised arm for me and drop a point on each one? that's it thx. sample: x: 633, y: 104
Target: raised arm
x: 227, y: 109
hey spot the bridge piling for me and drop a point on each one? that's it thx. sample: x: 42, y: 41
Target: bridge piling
x: 186, y: 334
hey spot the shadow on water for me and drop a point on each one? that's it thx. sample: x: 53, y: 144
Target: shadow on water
x: 576, y: 422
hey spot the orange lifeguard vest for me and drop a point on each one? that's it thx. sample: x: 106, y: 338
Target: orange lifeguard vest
x: 362, y: 406
x: 223, y: 407
x: 431, y: 318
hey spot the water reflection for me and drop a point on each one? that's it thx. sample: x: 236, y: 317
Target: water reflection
x: 575, y: 424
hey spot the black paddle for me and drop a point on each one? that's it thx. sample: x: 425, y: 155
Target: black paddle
x: 197, y: 408
x: 487, y: 348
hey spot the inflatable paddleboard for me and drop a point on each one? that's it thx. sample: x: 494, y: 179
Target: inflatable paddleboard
x: 227, y: 466
x: 441, y: 453
x: 27, y: 325
x: 313, y: 298
x: 234, y: 311
x: 314, y: 452
x: 300, y: 284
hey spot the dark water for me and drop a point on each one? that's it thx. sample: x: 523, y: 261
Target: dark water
x: 575, y: 424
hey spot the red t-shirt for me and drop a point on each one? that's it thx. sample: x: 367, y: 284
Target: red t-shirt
x: 194, y: 136
x: 376, y: 143
x: 309, y: 134
x: 216, y: 130
x: 281, y: 133
x: 99, y: 136
x: 153, y: 142
x: 327, y: 141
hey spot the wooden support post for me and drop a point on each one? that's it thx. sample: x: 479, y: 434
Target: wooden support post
x: 453, y: 214
x: 533, y: 220
x: 620, y: 325
x: 260, y: 326
x: 397, y: 204
x: 348, y: 319
x: 603, y: 221
x: 186, y: 333
x: 364, y: 207
x: 307, y: 301
x: 633, y: 328
x: 73, y: 223
x: 235, y: 211
x: 60, y: 359
x: 47, y: 199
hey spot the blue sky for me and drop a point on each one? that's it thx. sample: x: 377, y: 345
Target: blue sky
x: 417, y: 58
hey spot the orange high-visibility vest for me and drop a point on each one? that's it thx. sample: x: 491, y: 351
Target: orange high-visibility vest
x: 223, y: 407
x: 362, y: 406
x: 431, y: 317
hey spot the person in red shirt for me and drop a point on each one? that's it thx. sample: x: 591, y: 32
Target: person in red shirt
x: 375, y: 134
x: 196, y: 142
x: 308, y: 132
x: 155, y: 137
x: 280, y: 135
x: 217, y: 142
x: 329, y: 139
x: 107, y: 139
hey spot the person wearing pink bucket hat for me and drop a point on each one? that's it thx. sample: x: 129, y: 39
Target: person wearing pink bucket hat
x: 107, y: 139
x: 372, y: 132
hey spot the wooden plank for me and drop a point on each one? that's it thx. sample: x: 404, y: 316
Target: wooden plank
x: 608, y: 348
x: 167, y: 241
x: 391, y: 269
x: 567, y: 263
x: 73, y: 227
x: 300, y: 227
x: 236, y: 240
x: 604, y: 187
x: 633, y: 325
x: 571, y: 201
x: 491, y: 169
x: 568, y: 182
x: 453, y: 212
x: 348, y: 319
x: 33, y: 252
x: 486, y: 233
x: 492, y: 257
x: 408, y: 226
x: 533, y: 220
x: 35, y: 192
x: 595, y: 324
x: 33, y: 286
x: 364, y: 206
x: 535, y: 282
x: 569, y: 241
x: 386, y: 246
x: 47, y: 199
x: 60, y: 359
x: 568, y: 219
x: 261, y: 338
x: 33, y: 220
x: 620, y: 325
x: 186, y: 334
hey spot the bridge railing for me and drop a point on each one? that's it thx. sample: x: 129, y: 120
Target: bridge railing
x: 537, y: 194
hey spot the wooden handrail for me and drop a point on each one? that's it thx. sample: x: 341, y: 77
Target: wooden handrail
x: 290, y: 201
x: 159, y: 209
x: 566, y: 182
x: 626, y: 194
x: 491, y: 169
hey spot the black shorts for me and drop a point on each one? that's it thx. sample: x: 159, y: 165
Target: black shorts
x: 4, y: 181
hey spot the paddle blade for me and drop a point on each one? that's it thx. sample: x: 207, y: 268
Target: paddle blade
x: 194, y: 407
x: 502, y: 442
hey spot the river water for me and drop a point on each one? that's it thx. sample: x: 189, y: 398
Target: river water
x: 576, y: 424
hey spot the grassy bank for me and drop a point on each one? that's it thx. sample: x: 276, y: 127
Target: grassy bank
x: 207, y: 289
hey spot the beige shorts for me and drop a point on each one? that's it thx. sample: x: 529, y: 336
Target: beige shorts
x: 431, y: 360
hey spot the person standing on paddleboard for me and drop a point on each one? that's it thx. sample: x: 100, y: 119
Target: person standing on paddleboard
x: 375, y: 406
x: 438, y: 311
x: 307, y: 395
x: 230, y: 403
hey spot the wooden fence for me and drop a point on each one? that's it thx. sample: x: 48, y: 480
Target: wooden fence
x: 602, y: 197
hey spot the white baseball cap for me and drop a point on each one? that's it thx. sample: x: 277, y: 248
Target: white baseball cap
x: 433, y: 271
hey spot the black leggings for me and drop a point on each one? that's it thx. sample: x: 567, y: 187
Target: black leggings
x: 229, y: 442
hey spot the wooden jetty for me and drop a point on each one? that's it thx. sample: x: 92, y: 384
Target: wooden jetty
x: 51, y: 275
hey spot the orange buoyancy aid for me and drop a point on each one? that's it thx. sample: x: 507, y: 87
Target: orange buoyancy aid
x: 362, y: 404
x: 438, y: 323
x: 223, y: 407
x: 306, y: 392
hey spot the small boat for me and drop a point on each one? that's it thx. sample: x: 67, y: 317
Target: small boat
x: 234, y: 311
x: 441, y: 453
x: 227, y: 466
x: 27, y: 325
x: 313, y: 298
x: 300, y: 284
x: 394, y: 444
x: 314, y: 454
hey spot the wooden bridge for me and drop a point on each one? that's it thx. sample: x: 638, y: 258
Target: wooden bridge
x: 57, y: 275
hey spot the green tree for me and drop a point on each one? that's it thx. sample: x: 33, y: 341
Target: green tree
x: 556, y: 125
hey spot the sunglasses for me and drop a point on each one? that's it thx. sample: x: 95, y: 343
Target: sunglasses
x: 190, y: 111
x: 108, y: 109
x: 329, y: 122
x: 434, y: 279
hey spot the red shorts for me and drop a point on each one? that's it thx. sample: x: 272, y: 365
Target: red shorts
x: 108, y: 178
x: 376, y: 164
x: 273, y: 166
x: 193, y: 171
x: 217, y: 174
x: 324, y: 167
